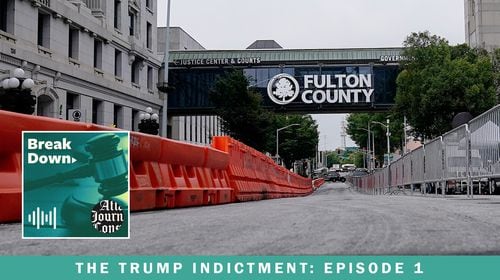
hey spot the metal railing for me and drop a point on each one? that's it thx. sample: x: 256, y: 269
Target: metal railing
x: 463, y: 160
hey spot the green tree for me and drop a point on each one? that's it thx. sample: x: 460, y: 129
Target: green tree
x: 496, y: 72
x: 439, y: 81
x: 356, y: 158
x: 243, y: 118
x: 240, y: 108
x: 333, y: 158
x: 296, y: 142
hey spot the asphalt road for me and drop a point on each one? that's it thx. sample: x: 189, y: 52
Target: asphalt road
x: 335, y: 220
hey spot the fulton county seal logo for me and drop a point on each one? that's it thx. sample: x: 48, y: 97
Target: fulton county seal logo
x: 283, y: 89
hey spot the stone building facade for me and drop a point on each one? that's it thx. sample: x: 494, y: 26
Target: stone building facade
x: 482, y: 23
x: 95, y: 56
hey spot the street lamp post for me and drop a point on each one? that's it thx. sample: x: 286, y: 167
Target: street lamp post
x: 368, y: 148
x: 406, y: 128
x: 15, y: 93
x: 373, y: 149
x: 149, y: 122
x: 388, y: 135
x: 370, y: 141
x: 277, y: 136
x: 163, y: 86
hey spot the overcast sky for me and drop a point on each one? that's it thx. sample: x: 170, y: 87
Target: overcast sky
x: 235, y: 24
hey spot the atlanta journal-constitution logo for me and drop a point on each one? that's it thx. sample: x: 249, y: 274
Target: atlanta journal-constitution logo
x: 282, y: 89
x: 107, y: 216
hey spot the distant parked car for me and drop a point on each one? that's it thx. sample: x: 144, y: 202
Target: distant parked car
x: 334, y: 176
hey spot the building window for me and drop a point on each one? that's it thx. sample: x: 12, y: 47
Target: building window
x: 149, y: 35
x: 97, y: 111
x: 132, y: 22
x: 43, y: 30
x: 135, y: 72
x: 150, y: 78
x: 135, y: 117
x: 118, y: 14
x: 71, y: 101
x: 118, y: 63
x: 97, y: 54
x: 3, y: 15
x: 73, y: 41
x: 7, y: 16
x: 149, y: 4
x: 118, y: 116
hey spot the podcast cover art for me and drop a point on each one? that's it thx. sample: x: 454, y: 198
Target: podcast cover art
x: 76, y: 184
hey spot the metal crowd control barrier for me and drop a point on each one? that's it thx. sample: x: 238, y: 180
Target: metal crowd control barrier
x: 397, y: 173
x: 417, y: 167
x: 465, y: 160
x: 407, y: 170
x: 456, y: 161
x: 485, y: 145
x: 433, y: 174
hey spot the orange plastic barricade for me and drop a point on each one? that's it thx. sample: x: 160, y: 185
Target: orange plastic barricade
x: 166, y: 174
x: 318, y: 182
x: 163, y: 173
x: 215, y: 167
x: 145, y: 174
x: 255, y: 176
x: 10, y: 186
x: 12, y: 125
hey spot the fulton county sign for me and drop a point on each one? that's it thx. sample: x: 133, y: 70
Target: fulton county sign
x: 304, y: 89
x: 283, y: 89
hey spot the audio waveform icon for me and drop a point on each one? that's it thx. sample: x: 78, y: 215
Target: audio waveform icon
x: 40, y: 218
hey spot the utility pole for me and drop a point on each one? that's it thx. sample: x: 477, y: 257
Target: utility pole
x: 373, y: 149
x: 388, y: 134
x: 164, y: 86
x: 405, y: 136
x: 277, y: 137
x: 368, y: 149
x: 343, y: 135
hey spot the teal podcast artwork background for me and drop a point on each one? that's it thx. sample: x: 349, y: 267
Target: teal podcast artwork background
x: 75, y: 184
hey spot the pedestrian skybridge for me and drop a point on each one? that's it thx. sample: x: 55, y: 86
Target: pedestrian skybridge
x: 290, y: 80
